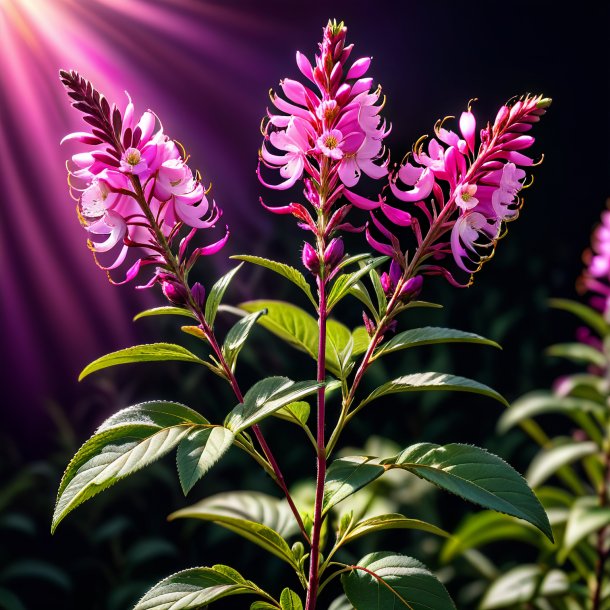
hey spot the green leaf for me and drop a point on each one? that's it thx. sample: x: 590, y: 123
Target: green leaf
x: 548, y: 461
x: 290, y: 273
x: 216, y: 293
x: 123, y: 444
x: 199, y: 451
x: 540, y: 403
x: 361, y: 340
x: 523, y: 584
x: 289, y: 600
x: 165, y: 311
x: 382, y: 300
x: 341, y: 603
x: 295, y: 326
x: 422, y: 382
x: 347, y: 475
x: 152, y: 352
x: 351, y: 260
x: 429, y: 335
x: 359, y: 291
x: 394, y: 581
x: 587, y: 314
x: 262, y: 606
x: 579, y: 353
x: 260, y: 518
x: 295, y: 412
x: 237, y: 336
x: 391, y: 521
x: 586, y: 517
x: 343, y: 283
x: 485, y: 527
x: 196, y: 588
x: 475, y: 475
x: 265, y: 397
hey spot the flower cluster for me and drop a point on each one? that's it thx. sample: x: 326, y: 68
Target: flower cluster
x: 482, y: 182
x: 330, y: 134
x: 595, y: 277
x: 134, y: 188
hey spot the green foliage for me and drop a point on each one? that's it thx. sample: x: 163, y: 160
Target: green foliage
x: 385, y: 580
x: 165, y: 311
x: 290, y: 273
x: 345, y: 282
x: 214, y: 298
x: 197, y: 587
x: 571, y: 475
x: 237, y: 336
x: 152, y: 352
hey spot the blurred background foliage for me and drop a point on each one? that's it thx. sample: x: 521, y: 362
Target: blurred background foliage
x: 206, y: 68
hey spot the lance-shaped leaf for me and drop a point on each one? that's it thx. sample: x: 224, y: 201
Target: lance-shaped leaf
x: 152, y: 352
x: 237, y: 336
x: 290, y: 273
x: 300, y: 330
x: 216, y: 293
x: 197, y: 587
x: 587, y: 314
x: 124, y: 443
x: 475, y: 475
x: 343, y: 283
x: 548, y: 461
x: 380, y: 581
x: 265, y: 397
x: 289, y: 600
x: 295, y: 412
x: 391, y: 521
x: 429, y: 335
x: 586, y: 517
x: 165, y: 311
x: 359, y: 291
x: 199, y: 451
x: 579, y: 353
x: 523, y: 584
x: 260, y: 518
x: 424, y: 382
x: 347, y: 475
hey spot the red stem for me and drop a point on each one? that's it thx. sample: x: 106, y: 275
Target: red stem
x: 314, y: 558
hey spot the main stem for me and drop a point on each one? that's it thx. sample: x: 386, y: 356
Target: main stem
x: 209, y: 333
x: 602, y: 551
x: 314, y: 557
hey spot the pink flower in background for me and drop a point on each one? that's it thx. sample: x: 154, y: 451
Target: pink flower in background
x: 595, y: 277
x: 135, y: 187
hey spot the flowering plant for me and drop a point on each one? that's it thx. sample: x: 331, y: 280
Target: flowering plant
x: 570, y: 473
x: 326, y: 134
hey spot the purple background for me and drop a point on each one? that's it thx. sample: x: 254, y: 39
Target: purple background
x: 206, y: 68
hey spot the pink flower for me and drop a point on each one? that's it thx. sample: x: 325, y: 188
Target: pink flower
x: 136, y: 174
x: 465, y: 196
x: 329, y: 127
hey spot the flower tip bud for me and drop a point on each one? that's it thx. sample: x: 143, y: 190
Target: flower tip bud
x: 174, y: 292
x: 333, y: 253
x: 412, y: 288
x: 198, y: 292
x: 310, y: 259
x: 544, y: 102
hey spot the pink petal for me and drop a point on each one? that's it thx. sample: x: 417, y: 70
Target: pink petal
x: 468, y: 126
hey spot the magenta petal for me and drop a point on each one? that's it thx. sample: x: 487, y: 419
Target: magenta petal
x: 398, y: 217
x: 420, y: 191
x: 358, y: 68
x: 382, y: 248
x: 284, y: 209
x: 216, y: 246
x: 81, y: 136
x: 304, y: 66
x: 361, y: 202
x: 468, y: 126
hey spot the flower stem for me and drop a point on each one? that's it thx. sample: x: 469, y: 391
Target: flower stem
x: 314, y: 558
x: 602, y: 552
x: 194, y: 306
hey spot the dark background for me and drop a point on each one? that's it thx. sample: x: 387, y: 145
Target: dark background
x: 206, y: 68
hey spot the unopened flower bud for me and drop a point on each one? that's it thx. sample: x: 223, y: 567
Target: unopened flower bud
x: 412, y: 288
x: 311, y: 262
x: 198, y: 292
x: 368, y: 324
x: 333, y: 253
x: 174, y: 292
x: 386, y: 284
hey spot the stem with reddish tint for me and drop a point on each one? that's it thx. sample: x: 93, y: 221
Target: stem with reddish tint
x: 314, y: 558
x: 209, y: 333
